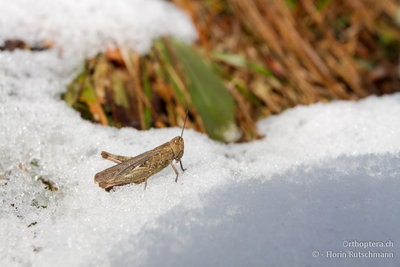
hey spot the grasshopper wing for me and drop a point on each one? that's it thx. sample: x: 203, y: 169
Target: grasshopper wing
x: 138, y: 175
x: 104, y: 177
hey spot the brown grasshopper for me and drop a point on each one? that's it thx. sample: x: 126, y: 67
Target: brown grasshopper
x: 138, y: 169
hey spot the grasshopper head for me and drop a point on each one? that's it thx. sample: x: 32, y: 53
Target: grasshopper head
x: 177, y: 146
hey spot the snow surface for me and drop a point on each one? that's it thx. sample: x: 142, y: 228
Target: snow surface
x: 83, y: 27
x: 324, y: 174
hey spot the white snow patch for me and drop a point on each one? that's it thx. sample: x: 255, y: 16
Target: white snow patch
x: 82, y: 28
x: 325, y: 173
x: 304, y: 154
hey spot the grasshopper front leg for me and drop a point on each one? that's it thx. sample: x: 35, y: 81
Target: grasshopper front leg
x: 173, y: 167
x: 180, y: 162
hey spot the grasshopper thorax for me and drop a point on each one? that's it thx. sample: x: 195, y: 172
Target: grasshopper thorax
x: 177, y: 146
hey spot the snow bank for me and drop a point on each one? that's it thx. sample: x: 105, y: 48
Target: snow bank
x: 80, y: 28
x: 324, y: 174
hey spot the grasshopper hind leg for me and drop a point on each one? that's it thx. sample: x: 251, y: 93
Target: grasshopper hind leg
x: 114, y: 158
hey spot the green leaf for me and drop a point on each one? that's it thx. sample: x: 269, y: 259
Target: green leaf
x: 214, y: 103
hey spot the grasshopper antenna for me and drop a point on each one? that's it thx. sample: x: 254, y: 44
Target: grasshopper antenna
x: 184, y: 123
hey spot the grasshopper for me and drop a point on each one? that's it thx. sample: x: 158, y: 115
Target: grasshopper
x: 138, y: 169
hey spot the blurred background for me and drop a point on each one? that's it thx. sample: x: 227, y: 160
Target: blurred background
x: 252, y: 59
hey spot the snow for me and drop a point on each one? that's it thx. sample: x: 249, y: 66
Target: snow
x: 324, y: 174
x: 80, y: 28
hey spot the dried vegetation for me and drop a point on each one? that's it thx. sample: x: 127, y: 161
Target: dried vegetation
x: 269, y: 55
